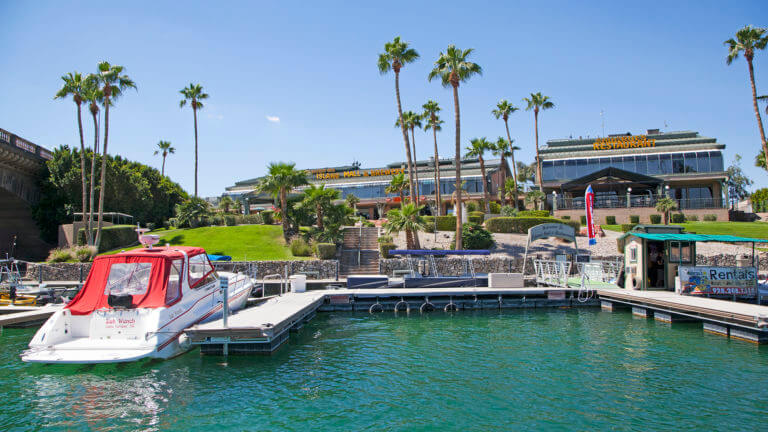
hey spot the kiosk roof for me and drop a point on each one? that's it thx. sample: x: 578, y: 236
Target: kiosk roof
x: 724, y: 238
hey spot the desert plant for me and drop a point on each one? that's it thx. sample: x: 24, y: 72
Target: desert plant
x: 59, y: 255
x: 508, y: 211
x: 300, y: 248
x: 385, y: 238
x: 85, y: 253
x: 325, y: 250
x: 475, y: 236
x: 384, y: 249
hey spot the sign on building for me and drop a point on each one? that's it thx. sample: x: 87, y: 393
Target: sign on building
x: 730, y: 281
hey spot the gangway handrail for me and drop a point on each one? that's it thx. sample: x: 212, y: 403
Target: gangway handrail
x: 271, y: 276
x: 553, y: 273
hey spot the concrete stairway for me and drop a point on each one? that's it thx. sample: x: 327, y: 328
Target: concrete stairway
x: 365, y: 241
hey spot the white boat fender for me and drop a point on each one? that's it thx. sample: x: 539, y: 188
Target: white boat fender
x: 184, y: 342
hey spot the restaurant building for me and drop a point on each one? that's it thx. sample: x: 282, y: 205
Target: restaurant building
x: 369, y: 184
x: 629, y: 173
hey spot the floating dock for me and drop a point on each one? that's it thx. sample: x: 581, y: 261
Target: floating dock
x: 26, y: 316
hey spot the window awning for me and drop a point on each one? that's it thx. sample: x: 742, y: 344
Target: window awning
x: 724, y: 238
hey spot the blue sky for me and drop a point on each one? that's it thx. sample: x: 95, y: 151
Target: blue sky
x: 313, y: 66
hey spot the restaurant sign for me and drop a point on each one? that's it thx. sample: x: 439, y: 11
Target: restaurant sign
x: 359, y: 173
x: 730, y: 281
x: 623, y: 142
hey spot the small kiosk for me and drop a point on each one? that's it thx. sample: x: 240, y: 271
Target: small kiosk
x: 656, y: 255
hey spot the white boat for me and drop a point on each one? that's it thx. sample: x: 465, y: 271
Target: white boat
x: 136, y: 305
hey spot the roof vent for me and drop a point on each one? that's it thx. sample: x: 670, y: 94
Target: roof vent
x: 652, y: 132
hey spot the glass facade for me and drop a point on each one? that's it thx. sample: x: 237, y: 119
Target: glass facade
x: 426, y: 187
x: 655, y: 164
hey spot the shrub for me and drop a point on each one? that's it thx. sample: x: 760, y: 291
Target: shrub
x: 583, y: 219
x: 268, y: 216
x: 610, y: 220
x: 476, y: 217
x: 367, y: 223
x: 230, y: 220
x: 173, y: 222
x: 627, y: 227
x: 678, y: 218
x: 508, y: 211
x: 217, y: 220
x: 565, y: 217
x: 446, y: 223
x: 710, y: 217
x: 253, y: 219
x: 85, y: 253
x: 575, y: 224
x: 635, y: 219
x: 534, y: 213
x: 300, y: 248
x: 495, y: 207
x: 325, y: 250
x: 59, y: 255
x: 474, y: 236
x: 429, y: 224
x: 655, y: 219
x: 112, y: 237
x: 471, y: 206
x: 151, y: 226
x: 692, y: 218
x: 520, y: 225
x: 385, y: 238
x: 384, y: 249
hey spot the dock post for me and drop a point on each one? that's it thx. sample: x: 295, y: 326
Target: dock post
x: 224, y: 284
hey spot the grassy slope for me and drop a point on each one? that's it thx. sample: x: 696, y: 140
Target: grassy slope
x: 255, y: 242
x: 741, y: 229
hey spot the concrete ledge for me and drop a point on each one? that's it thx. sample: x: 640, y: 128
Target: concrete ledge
x: 641, y: 312
x: 716, y: 329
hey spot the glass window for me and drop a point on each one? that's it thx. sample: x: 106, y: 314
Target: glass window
x: 173, y: 292
x: 641, y: 165
x: 548, y: 170
x: 200, y: 271
x: 674, y: 252
x: 685, y: 253
x: 654, y: 165
x: 128, y: 279
x: 571, y: 170
x: 581, y: 168
x: 703, y: 158
x: 678, y: 164
x: 628, y: 163
x: 666, y: 163
x: 716, y: 161
x: 691, y: 163
x: 592, y: 166
x: 559, y: 170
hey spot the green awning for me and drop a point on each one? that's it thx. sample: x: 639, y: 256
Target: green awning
x: 696, y: 237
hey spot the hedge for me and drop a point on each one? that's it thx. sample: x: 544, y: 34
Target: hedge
x: 635, y: 219
x: 112, y: 237
x: 692, y: 218
x: 446, y: 223
x: 495, y: 207
x: 268, y: 217
x: 533, y: 213
x: 520, y: 225
x: 627, y: 227
x: 583, y: 219
x: 325, y: 250
x: 565, y: 217
x: 655, y: 219
x: 429, y: 224
x: 678, y: 218
x: 476, y: 217
x: 384, y: 249
x: 710, y: 217
x: 610, y: 220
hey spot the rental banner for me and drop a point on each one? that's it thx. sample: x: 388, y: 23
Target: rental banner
x: 730, y: 281
x: 589, y: 200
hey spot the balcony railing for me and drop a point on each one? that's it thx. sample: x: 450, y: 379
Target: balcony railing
x: 620, y: 201
x: 22, y: 144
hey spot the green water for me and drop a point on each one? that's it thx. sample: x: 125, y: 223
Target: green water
x: 516, y: 370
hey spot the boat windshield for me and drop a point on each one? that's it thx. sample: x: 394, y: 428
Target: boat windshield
x: 128, y: 279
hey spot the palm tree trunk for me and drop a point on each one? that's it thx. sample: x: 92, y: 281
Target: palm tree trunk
x: 405, y: 135
x: 162, y: 170
x: 194, y: 113
x: 457, y: 161
x: 486, y: 196
x: 88, y: 233
x: 103, y: 186
x: 512, y: 156
x: 415, y: 168
x: 94, y: 153
x: 757, y: 109
x: 538, y: 162
x: 319, y: 217
x: 438, y: 201
x: 284, y: 211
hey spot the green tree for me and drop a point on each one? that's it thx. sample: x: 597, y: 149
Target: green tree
x: 760, y: 160
x: 738, y: 182
x: 511, y: 189
x: 281, y: 179
x: 237, y: 205
x: 749, y: 40
x: 93, y: 94
x: 164, y: 148
x: 525, y: 173
x: 194, y: 94
x: 226, y: 203
x: 477, y: 148
x: 319, y: 198
x: 431, y: 110
x: 538, y: 102
x: 397, y: 186
x: 351, y: 200
x: 664, y: 206
x: 407, y: 218
x: 502, y: 149
x: 502, y: 111
x: 453, y: 68
x: 193, y: 212
x: 113, y: 83
x: 412, y: 121
x: 534, y: 197
x: 396, y: 55
x: 74, y: 85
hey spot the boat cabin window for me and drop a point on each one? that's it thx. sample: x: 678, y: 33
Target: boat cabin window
x: 174, y: 282
x: 200, y: 271
x: 680, y: 252
x: 128, y: 279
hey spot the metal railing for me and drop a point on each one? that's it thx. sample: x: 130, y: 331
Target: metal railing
x: 620, y: 201
x: 552, y: 273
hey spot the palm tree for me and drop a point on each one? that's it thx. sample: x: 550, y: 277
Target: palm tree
x: 225, y: 203
x: 281, y: 179
x: 503, y: 150
x: 477, y: 148
x: 396, y: 55
x: 352, y: 201
x: 237, y: 205
x: 412, y: 121
x: 194, y: 94
x: 74, y: 84
x: 537, y: 102
x: 93, y: 94
x: 408, y: 219
x: 112, y: 83
x: 397, y: 185
x: 666, y: 205
x: 320, y: 198
x: 453, y: 68
x: 748, y: 40
x: 164, y: 148
x: 431, y: 108
x: 503, y: 110
x: 534, y: 197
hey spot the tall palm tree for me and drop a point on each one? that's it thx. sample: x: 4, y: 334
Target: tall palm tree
x: 412, y: 121
x: 431, y: 108
x: 164, y: 148
x: 281, y: 179
x: 453, y: 68
x: 319, y: 198
x: 748, y: 40
x: 397, y: 185
x: 502, y: 111
x: 74, y: 84
x: 396, y: 55
x: 503, y: 150
x: 538, y: 102
x: 194, y: 94
x: 477, y: 148
x: 93, y: 94
x: 112, y: 83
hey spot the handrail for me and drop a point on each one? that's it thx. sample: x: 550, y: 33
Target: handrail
x: 264, y: 283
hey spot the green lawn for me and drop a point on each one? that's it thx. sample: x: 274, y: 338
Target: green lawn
x: 254, y: 242
x: 741, y: 229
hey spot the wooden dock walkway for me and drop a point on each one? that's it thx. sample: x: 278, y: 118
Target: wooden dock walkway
x: 26, y: 316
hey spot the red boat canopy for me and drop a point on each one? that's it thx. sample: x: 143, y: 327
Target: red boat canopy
x: 141, y: 273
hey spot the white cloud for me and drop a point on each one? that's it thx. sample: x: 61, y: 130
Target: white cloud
x: 273, y: 119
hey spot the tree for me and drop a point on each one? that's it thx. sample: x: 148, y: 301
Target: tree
x: 226, y: 203
x: 738, y: 182
x: 281, y: 179
x: 534, y: 197
x: 397, y: 186
x: 525, y: 173
x: 537, y: 102
x: 352, y: 200
x: 748, y: 40
x: 760, y: 160
x: 511, y: 189
x: 164, y: 148
x: 502, y: 149
x: 407, y: 218
x: 74, y: 85
x: 453, y: 68
x: 412, y: 121
x: 194, y: 94
x: 113, y: 83
x: 664, y: 206
x: 431, y: 108
x: 238, y: 206
x: 192, y: 212
x: 319, y: 198
x: 93, y: 94
x: 477, y: 148
x: 502, y: 111
x: 759, y: 200
x: 396, y: 55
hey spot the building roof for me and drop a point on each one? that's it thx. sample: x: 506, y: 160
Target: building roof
x: 723, y: 238
x: 611, y: 173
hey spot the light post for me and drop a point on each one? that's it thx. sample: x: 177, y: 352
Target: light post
x: 554, y: 201
x: 666, y: 189
x: 629, y: 196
